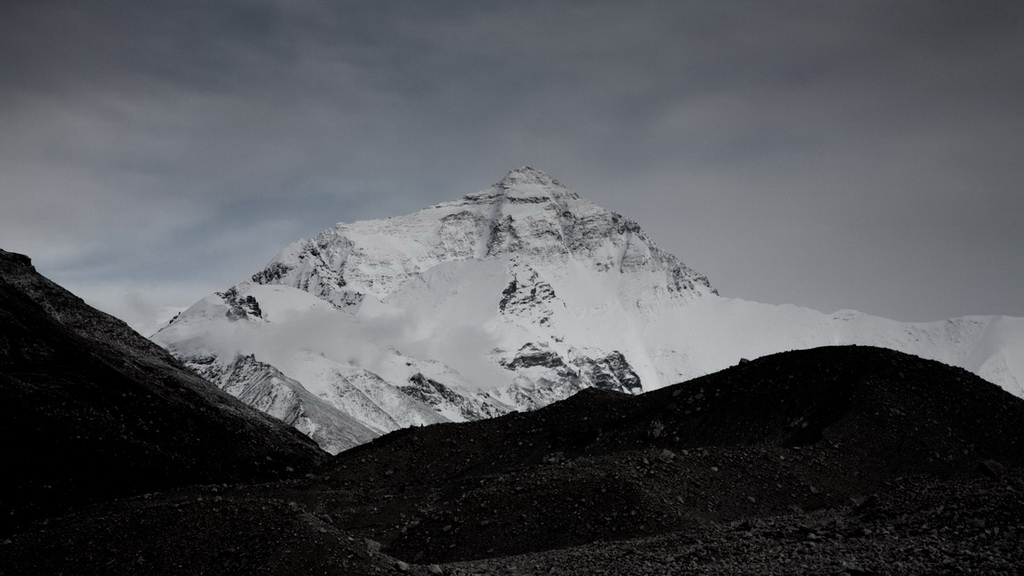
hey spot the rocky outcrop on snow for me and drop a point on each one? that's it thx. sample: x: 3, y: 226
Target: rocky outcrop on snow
x: 508, y: 299
x: 448, y: 401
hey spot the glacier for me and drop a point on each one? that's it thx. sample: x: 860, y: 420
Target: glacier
x: 508, y: 299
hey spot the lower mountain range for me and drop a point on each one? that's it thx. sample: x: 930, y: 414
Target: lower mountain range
x: 831, y: 460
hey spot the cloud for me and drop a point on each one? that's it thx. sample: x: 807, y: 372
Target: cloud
x: 371, y: 341
x: 160, y: 140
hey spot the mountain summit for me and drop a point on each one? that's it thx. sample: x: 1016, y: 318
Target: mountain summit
x: 507, y: 299
x: 528, y: 215
x: 529, y: 176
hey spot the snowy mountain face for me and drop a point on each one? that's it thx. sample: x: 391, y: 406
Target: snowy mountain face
x: 508, y: 299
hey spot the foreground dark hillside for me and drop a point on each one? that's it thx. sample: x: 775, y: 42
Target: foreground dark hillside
x: 837, y: 460
x: 786, y: 434
x: 90, y: 410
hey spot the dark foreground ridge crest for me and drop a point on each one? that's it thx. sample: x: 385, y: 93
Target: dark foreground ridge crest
x: 92, y: 411
x: 809, y: 430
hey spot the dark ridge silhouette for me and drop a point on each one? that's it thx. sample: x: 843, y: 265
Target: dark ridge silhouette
x: 805, y: 429
x: 91, y: 411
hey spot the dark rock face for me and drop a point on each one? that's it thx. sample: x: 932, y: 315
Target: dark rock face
x: 271, y: 273
x: 434, y: 393
x: 612, y: 372
x: 240, y: 307
x: 837, y: 460
x: 519, y: 296
x: 90, y: 410
x: 531, y: 355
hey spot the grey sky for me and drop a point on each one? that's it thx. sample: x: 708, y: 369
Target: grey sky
x: 832, y: 154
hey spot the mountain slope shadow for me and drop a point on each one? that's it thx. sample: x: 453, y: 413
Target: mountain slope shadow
x: 91, y: 411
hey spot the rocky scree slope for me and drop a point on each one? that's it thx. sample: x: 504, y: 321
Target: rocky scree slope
x: 787, y: 434
x: 91, y: 411
x: 839, y: 460
x: 508, y: 299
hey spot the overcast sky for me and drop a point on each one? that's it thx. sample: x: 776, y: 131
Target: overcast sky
x: 831, y: 154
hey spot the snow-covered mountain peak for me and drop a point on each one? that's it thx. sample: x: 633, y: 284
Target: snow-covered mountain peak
x: 527, y: 216
x: 527, y: 175
x: 526, y: 187
x: 511, y: 298
x: 528, y: 183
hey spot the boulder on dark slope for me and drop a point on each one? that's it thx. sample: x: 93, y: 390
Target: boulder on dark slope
x: 91, y: 411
